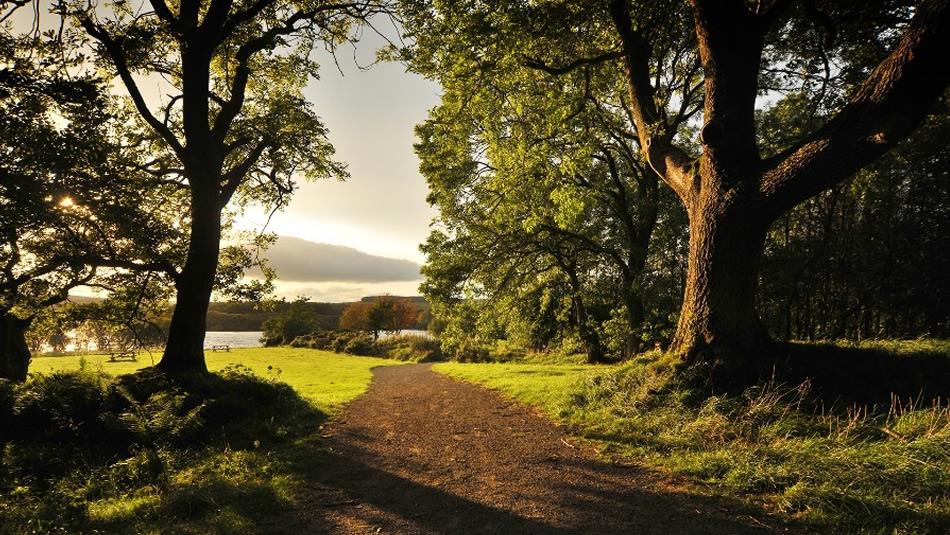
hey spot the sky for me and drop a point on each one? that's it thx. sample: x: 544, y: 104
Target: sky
x: 381, y: 209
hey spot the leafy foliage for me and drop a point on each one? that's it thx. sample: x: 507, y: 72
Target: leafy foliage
x: 383, y: 313
x: 81, y: 438
x: 285, y: 328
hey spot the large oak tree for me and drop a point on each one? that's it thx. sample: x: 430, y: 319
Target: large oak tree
x: 732, y: 194
x: 870, y: 101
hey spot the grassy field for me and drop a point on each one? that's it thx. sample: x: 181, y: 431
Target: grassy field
x: 547, y: 386
x: 883, y: 469
x: 324, y: 378
x: 86, y: 449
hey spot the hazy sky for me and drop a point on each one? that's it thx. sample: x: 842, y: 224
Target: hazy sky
x: 381, y: 208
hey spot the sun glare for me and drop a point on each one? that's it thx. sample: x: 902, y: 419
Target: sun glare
x: 67, y: 202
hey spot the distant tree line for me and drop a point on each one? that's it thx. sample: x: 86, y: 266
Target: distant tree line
x: 371, y: 315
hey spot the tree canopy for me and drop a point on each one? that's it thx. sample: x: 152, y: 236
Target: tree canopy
x: 853, y: 80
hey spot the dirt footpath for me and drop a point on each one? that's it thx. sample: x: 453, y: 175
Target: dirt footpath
x: 422, y: 453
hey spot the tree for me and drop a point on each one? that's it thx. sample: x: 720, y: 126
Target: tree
x: 384, y: 313
x: 235, y: 123
x: 405, y: 314
x: 299, y: 320
x: 532, y: 173
x: 866, y: 258
x: 732, y: 195
x: 355, y: 317
x: 69, y: 212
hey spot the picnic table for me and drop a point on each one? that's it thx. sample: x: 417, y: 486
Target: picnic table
x: 116, y: 356
x: 221, y: 347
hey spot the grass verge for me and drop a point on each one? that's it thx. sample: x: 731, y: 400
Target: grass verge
x: 84, y: 451
x: 857, y: 469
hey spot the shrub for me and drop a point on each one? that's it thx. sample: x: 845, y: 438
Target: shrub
x: 84, y: 438
x: 411, y: 347
x: 361, y: 345
x: 6, y: 408
x: 299, y: 320
x: 63, y: 407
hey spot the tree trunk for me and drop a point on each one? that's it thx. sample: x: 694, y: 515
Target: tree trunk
x: 718, y: 323
x: 635, y: 317
x: 595, y: 353
x: 14, y: 353
x: 184, y: 351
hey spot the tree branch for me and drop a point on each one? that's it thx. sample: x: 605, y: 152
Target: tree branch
x: 535, y: 63
x: 233, y: 178
x: 117, y: 55
x: 670, y: 162
x: 891, y: 102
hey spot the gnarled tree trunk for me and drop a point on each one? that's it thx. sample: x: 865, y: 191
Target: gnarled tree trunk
x: 718, y: 323
x: 14, y: 353
x: 733, y: 194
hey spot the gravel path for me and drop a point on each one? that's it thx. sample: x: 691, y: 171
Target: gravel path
x: 423, y: 453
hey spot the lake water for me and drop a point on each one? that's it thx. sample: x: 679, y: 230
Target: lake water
x: 233, y: 338
x: 417, y: 332
x: 230, y: 338
x: 253, y: 338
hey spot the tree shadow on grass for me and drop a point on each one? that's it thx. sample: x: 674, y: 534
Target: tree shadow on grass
x: 864, y: 376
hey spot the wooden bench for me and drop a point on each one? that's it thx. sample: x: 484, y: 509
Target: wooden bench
x: 116, y: 356
x: 221, y: 347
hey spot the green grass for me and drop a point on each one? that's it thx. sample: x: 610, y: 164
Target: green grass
x: 90, y: 449
x: 856, y: 470
x: 546, y: 386
x: 324, y: 378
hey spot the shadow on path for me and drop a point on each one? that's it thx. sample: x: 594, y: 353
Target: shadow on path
x: 421, y: 453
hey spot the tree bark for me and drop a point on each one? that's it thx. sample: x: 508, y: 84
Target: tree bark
x: 733, y: 195
x: 592, y: 346
x: 184, y: 351
x: 14, y: 353
x: 718, y: 323
x: 595, y: 353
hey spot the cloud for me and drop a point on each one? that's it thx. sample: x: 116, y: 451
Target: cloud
x: 297, y: 260
x: 344, y: 292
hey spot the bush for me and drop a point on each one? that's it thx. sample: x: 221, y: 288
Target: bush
x: 63, y: 407
x: 408, y: 347
x: 361, y: 345
x: 6, y: 408
x: 411, y: 347
x: 299, y: 320
x: 80, y: 437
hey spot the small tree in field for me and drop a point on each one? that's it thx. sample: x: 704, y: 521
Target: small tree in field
x: 383, y: 314
x: 355, y: 317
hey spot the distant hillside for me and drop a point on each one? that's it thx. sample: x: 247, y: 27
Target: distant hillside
x: 417, y: 299
x: 245, y: 317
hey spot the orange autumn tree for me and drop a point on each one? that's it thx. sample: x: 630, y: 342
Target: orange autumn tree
x: 385, y: 313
